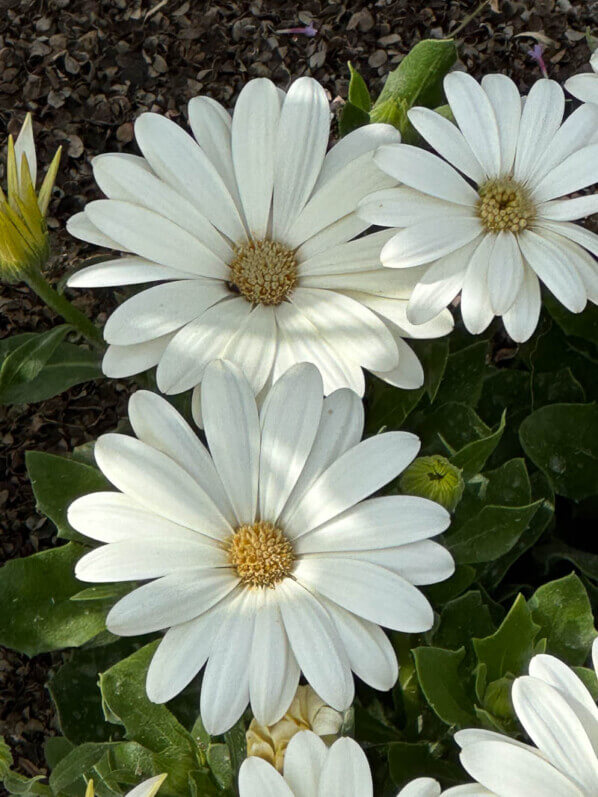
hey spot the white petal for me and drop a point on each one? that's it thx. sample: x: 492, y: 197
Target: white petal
x: 316, y: 644
x: 568, y: 209
x: 439, y: 285
x: 576, y: 257
x: 362, y: 254
x: 338, y: 232
x: 395, y: 310
x: 426, y: 172
x: 148, y: 788
x: 371, y: 655
x: 509, y: 771
x: 447, y: 140
x: 340, y: 428
x: 475, y: 299
x: 338, y: 197
x: 122, y: 361
x: 541, y: 117
x: 130, y: 180
x: 123, y: 271
x: 584, y: 87
x: 346, y: 772
x: 225, y: 685
x: 232, y: 429
x: 555, y: 729
x: 409, y: 374
x: 302, y: 140
x: 180, y: 655
x: 194, y: 346
x: 303, y: 762
x: 577, y: 171
x: 80, y: 226
x: 254, y: 136
x: 154, y: 237
x: 423, y: 562
x: 178, y: 160
x: 421, y: 787
x: 381, y: 281
x: 161, y: 310
x: 356, y: 143
x: 402, y: 207
x: 355, y: 475
x: 257, y: 778
x: 300, y: 341
x: 559, y: 276
x: 211, y: 126
x: 168, y: 601
x: 429, y: 240
x: 273, y: 670
x: 348, y: 326
x: 290, y: 418
x: 476, y: 118
x: 369, y: 591
x: 522, y: 317
x: 131, y: 560
x: 25, y: 145
x: 576, y: 233
x: 505, y: 272
x: 156, y: 482
x: 377, y: 523
x: 253, y: 347
x: 576, y: 132
x: 156, y: 422
x: 506, y: 103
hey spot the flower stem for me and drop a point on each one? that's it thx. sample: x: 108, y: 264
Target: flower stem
x: 468, y: 19
x: 64, y: 308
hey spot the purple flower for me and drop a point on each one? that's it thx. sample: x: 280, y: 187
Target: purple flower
x: 537, y: 54
x: 308, y: 30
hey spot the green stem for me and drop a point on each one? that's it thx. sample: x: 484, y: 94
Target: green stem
x: 64, y: 308
x: 468, y: 19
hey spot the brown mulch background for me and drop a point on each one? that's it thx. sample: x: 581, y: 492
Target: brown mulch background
x: 86, y: 69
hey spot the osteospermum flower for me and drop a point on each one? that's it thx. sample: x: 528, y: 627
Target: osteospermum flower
x: 250, y: 228
x: 310, y: 770
x: 561, y: 718
x: 585, y: 85
x: 264, y: 558
x: 307, y: 712
x: 428, y: 787
x: 505, y: 226
x: 23, y: 233
x: 148, y: 788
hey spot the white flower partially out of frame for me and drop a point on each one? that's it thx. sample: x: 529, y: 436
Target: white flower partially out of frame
x: 585, y: 85
x: 428, y: 787
x: 250, y: 227
x: 561, y: 718
x: 149, y: 787
x: 263, y: 557
x: 310, y: 770
x: 497, y: 241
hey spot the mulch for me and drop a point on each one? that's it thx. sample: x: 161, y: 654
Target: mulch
x: 86, y: 69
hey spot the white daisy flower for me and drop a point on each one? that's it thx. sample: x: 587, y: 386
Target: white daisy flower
x: 585, y: 86
x: 428, y: 787
x: 561, y: 718
x: 250, y: 227
x: 310, y: 770
x: 264, y: 558
x: 504, y: 226
x: 149, y: 787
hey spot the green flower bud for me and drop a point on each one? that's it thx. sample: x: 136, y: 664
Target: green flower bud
x: 434, y: 478
x: 497, y: 698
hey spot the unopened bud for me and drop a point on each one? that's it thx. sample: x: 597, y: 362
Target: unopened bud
x: 434, y: 478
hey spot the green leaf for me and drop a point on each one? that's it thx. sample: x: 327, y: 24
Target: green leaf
x: 472, y: 457
x: 510, y: 648
x: 407, y: 761
x: 581, y: 325
x: 445, y: 591
x: 562, y: 610
x: 152, y: 725
x: 448, y: 428
x: 351, y: 117
x: 416, y: 81
x: 220, y: 765
x: 77, y: 763
x: 433, y: 355
x: 508, y: 485
x: 491, y: 533
x: 462, y: 619
x: 358, y: 91
x: 42, y: 617
x: 56, y: 482
x: 464, y: 375
x: 24, y: 363
x: 562, y: 440
x: 388, y: 407
x: 441, y: 681
x: 237, y: 745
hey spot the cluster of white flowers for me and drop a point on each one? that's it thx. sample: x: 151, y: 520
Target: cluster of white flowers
x: 265, y: 556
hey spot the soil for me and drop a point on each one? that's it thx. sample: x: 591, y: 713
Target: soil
x: 86, y: 69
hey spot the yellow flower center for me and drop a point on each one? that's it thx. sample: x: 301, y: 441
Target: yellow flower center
x: 261, y: 554
x: 505, y: 205
x: 264, y: 272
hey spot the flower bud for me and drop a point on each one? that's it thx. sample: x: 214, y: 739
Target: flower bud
x: 23, y: 233
x: 434, y: 478
x: 307, y: 712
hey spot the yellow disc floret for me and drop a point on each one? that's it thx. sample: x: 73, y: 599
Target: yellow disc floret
x: 505, y: 206
x: 264, y: 272
x: 261, y: 554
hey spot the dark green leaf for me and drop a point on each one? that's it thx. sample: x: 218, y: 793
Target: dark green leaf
x: 388, y: 407
x: 26, y: 361
x: 464, y: 375
x: 472, y: 457
x: 582, y: 325
x: 462, y: 619
x: 562, y: 440
x: 433, y: 355
x: 42, y: 617
x: 408, y: 761
x: 491, y: 533
x: 358, y: 91
x: 351, y: 117
x: 441, y: 681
